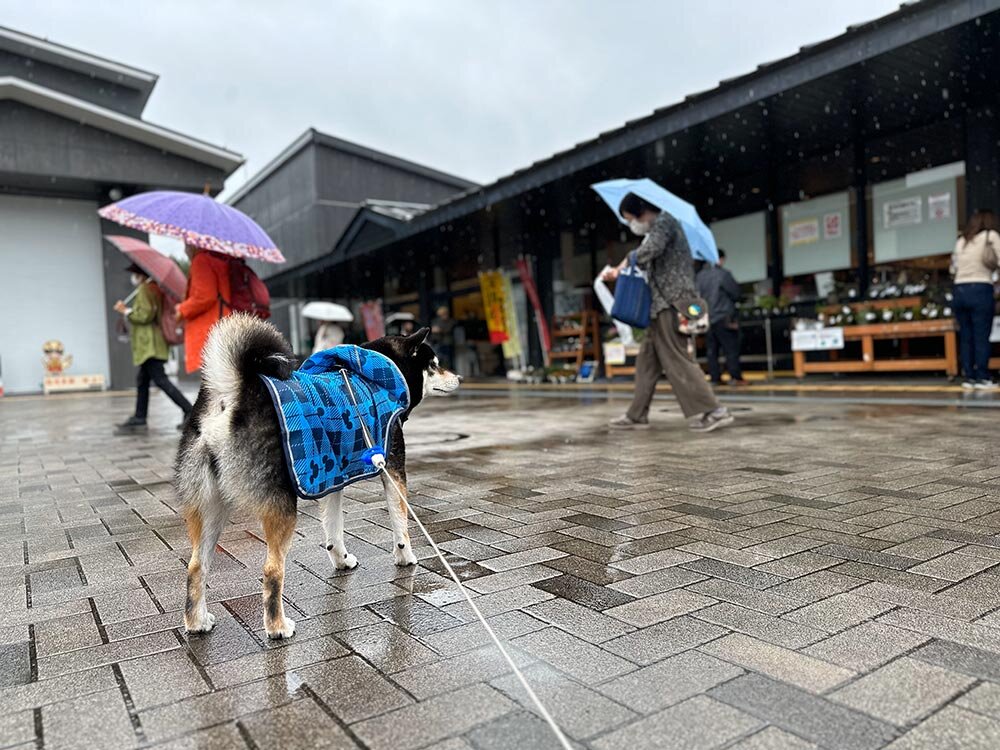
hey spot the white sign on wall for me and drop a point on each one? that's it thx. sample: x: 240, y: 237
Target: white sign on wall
x: 939, y: 206
x: 818, y: 339
x: 803, y: 232
x: 833, y: 226
x: 903, y: 212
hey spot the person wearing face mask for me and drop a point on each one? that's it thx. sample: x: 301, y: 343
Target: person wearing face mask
x: 665, y: 257
x: 149, y: 349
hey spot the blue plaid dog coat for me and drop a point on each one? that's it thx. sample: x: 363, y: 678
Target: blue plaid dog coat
x: 322, y: 429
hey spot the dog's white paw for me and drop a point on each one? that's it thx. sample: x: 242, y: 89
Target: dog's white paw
x: 404, y: 556
x: 286, y: 629
x: 347, y: 561
x: 200, y: 623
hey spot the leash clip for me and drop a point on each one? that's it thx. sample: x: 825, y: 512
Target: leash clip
x: 374, y: 456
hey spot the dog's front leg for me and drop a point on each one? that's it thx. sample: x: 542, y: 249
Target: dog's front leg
x: 401, y: 549
x: 333, y: 527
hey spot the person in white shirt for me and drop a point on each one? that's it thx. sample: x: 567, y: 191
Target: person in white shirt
x: 976, y: 256
x: 328, y: 335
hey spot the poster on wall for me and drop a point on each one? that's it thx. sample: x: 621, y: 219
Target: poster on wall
x: 939, y: 206
x: 832, y: 226
x: 803, y: 232
x: 903, y: 212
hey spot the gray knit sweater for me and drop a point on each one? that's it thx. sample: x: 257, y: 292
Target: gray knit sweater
x: 665, y: 256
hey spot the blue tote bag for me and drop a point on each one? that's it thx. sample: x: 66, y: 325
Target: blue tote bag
x: 632, y: 296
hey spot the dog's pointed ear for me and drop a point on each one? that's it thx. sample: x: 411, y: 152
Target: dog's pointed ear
x: 414, y: 340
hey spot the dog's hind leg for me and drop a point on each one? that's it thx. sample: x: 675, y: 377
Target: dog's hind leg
x: 205, y: 522
x: 333, y: 527
x: 279, y: 527
x: 402, y: 552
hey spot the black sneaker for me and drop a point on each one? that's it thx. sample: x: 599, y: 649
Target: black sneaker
x: 711, y: 420
x: 968, y: 384
x: 985, y: 385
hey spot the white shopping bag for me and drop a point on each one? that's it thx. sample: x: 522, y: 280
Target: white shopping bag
x: 607, y: 301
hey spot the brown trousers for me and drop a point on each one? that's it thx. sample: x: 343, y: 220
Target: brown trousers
x: 664, y: 350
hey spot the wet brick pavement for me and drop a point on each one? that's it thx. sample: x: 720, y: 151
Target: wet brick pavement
x: 820, y: 575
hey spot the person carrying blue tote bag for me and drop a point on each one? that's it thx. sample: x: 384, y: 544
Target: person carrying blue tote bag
x: 632, y: 296
x: 656, y: 289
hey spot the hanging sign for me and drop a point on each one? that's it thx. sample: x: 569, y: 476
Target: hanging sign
x: 512, y: 348
x: 492, y: 286
x: 531, y: 290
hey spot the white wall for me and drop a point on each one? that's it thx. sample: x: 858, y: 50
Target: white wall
x: 51, y: 287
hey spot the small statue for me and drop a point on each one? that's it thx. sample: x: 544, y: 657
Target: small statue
x: 55, y: 361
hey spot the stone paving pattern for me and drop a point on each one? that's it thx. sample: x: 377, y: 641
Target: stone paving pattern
x: 817, y: 576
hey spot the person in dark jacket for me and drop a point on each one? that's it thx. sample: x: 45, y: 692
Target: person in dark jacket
x: 149, y: 349
x: 665, y: 256
x: 719, y: 289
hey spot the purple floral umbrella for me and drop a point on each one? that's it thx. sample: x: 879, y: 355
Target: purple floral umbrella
x: 198, y: 220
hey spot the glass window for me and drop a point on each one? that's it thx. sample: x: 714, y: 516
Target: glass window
x: 917, y: 215
x: 744, y: 238
x: 816, y: 234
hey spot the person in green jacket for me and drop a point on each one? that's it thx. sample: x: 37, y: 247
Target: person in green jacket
x: 149, y: 348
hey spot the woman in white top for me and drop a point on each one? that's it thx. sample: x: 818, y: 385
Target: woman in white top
x: 328, y: 335
x: 972, y: 265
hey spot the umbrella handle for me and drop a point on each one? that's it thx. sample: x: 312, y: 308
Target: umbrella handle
x: 132, y: 295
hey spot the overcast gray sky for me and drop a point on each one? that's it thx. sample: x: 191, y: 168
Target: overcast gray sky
x: 466, y: 86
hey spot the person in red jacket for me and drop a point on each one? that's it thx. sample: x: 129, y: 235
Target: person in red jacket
x: 208, y: 285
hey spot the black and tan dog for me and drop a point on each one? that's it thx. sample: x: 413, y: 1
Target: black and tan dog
x: 231, y: 457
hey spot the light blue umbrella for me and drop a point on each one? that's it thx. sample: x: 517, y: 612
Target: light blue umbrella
x: 699, y: 236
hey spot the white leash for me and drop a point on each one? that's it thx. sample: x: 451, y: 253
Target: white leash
x: 376, y: 457
x: 378, y: 461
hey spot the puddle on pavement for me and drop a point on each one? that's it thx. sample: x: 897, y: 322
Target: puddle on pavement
x: 434, y: 437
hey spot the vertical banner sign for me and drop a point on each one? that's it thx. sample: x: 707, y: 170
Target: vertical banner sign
x: 512, y: 346
x: 371, y: 315
x: 491, y: 284
x: 532, y: 291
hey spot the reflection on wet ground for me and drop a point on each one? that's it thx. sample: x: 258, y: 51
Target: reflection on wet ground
x: 821, y: 574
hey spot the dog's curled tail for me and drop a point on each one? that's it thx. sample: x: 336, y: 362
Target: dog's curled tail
x: 241, y: 346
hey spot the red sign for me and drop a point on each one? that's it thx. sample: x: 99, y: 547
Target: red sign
x: 524, y: 271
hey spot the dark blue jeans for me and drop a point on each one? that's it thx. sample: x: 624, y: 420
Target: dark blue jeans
x: 973, y: 306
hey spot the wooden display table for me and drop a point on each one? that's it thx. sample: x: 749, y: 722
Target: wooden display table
x: 868, y: 333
